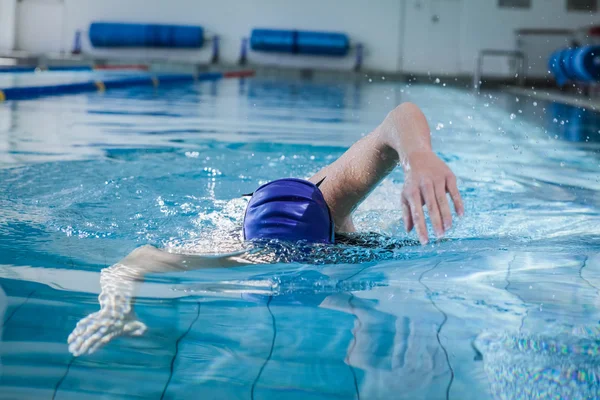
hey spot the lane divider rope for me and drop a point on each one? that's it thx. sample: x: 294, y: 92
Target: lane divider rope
x: 29, y: 92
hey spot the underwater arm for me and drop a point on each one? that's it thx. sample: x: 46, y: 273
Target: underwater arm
x: 118, y: 284
x: 402, y: 138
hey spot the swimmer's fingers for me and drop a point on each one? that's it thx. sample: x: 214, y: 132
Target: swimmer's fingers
x: 435, y: 215
x: 83, y: 329
x: 406, y: 217
x: 452, y: 188
x: 135, y: 328
x: 93, y: 342
x: 89, y: 344
x: 415, y: 201
x: 101, y: 341
x: 84, y: 333
x: 443, y: 205
x: 99, y: 328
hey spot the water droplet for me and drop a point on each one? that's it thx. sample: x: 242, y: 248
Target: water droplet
x: 370, y: 80
x: 517, y: 99
x: 520, y: 111
x: 439, y: 126
x: 513, y: 116
x: 516, y: 146
x: 535, y: 103
x: 562, y: 164
x: 437, y: 80
x: 486, y: 105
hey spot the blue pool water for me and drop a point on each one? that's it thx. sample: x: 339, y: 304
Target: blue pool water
x: 506, y: 308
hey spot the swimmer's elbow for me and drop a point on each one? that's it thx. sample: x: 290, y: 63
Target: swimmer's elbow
x: 145, y: 249
x: 406, y: 109
x: 139, y: 255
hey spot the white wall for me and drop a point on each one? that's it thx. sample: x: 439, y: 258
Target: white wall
x: 418, y: 36
x: 46, y: 37
x: 486, y: 26
x: 451, y: 42
x: 431, y: 36
x: 7, y: 24
x: 374, y: 23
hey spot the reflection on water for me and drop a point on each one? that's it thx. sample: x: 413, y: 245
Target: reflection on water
x: 505, y: 308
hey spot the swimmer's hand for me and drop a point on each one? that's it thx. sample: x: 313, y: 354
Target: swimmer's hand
x: 118, y: 283
x: 427, y: 180
x: 99, y: 328
x: 116, y: 316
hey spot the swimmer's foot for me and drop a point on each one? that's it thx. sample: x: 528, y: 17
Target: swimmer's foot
x: 99, y: 328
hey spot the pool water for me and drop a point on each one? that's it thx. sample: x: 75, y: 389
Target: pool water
x: 505, y: 308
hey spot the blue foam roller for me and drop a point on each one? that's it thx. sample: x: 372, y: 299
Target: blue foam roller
x: 555, y: 68
x: 553, y: 63
x: 323, y: 43
x: 115, y: 34
x: 565, y: 64
x: 300, y: 42
x: 585, y: 63
x: 273, y: 40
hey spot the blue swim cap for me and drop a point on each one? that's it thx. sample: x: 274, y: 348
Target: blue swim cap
x: 288, y: 209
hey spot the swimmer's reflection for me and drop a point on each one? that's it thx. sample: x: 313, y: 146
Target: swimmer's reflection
x: 395, y: 349
x: 397, y: 352
x: 118, y: 282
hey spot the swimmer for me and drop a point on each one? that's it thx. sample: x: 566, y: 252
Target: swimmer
x: 317, y: 210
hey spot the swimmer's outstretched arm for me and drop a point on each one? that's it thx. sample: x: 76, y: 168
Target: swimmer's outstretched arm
x: 402, y: 138
x: 118, y: 284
